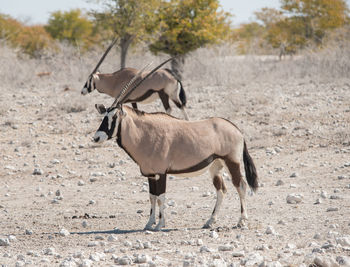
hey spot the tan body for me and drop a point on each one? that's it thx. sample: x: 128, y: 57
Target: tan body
x: 161, y: 84
x: 161, y: 144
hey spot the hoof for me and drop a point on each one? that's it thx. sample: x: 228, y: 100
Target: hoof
x: 209, y: 224
x: 242, y: 223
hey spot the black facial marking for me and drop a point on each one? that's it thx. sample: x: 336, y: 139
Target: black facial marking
x: 104, y: 126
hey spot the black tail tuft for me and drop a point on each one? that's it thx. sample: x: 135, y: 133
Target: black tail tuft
x: 182, y: 94
x: 250, y: 170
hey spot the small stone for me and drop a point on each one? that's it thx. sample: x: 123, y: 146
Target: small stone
x: 270, y: 230
x: 294, y: 198
x: 112, y: 238
x: 4, y: 242
x: 28, y: 232
x: 64, y: 232
x: 213, y: 234
x: 225, y: 248
x: 343, y: 241
x: 332, y: 209
x: 293, y: 175
x: 86, y: 263
x: 49, y: 251
x: 93, y: 244
x: 323, y: 194
x: 317, y: 236
x: 38, y: 171
x: 237, y: 254
x: 204, y: 249
x: 125, y: 260
x: 318, y: 201
x: 12, y: 238
x: 84, y: 224
x: 142, y: 258
x: 279, y: 182
x: 81, y: 183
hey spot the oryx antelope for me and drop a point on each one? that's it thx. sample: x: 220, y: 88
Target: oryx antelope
x: 161, y: 83
x: 161, y: 144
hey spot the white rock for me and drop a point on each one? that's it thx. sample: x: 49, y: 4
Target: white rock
x: 213, y: 234
x: 19, y: 263
x: 225, y: 248
x: 49, y: 251
x: 273, y: 264
x: 141, y: 258
x: 64, y: 232
x: 199, y: 242
x: 294, y: 198
x: 252, y: 259
x: 238, y: 254
x: 81, y: 183
x: 324, y: 194
x: 325, y: 262
x: 4, y: 242
x: 67, y: 263
x: 270, y: 230
x: 125, y: 260
x: 112, y: 238
x: 147, y: 244
x: 343, y: 241
x: 86, y: 263
x: 343, y: 260
x: 171, y: 203
x: 204, y: 249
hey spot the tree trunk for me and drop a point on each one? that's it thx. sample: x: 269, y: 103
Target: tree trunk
x: 177, y: 65
x: 124, y: 47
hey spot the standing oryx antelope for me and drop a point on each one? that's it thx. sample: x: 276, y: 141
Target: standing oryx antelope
x: 161, y: 144
x: 162, y: 83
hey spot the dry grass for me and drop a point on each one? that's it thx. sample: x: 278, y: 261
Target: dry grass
x: 205, y: 67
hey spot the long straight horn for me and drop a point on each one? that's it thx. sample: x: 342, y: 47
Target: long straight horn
x: 104, y: 55
x: 126, y: 86
x: 125, y: 96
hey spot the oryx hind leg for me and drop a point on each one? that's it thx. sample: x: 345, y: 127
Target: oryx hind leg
x: 157, y: 188
x: 241, y: 187
x: 220, y: 187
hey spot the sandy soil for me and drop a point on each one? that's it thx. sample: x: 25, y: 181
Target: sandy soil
x: 65, y: 201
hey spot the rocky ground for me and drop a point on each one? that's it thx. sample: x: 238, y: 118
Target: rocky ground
x: 65, y: 201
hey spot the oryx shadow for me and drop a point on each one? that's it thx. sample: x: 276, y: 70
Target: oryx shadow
x: 131, y: 231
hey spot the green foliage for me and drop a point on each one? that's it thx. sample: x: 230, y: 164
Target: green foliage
x: 188, y: 25
x: 71, y: 26
x: 32, y: 40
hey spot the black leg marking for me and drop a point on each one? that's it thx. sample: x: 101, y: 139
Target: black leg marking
x: 157, y: 187
x: 134, y: 105
x: 165, y: 99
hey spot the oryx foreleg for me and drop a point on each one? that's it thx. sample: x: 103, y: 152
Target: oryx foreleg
x: 165, y: 101
x: 157, y: 188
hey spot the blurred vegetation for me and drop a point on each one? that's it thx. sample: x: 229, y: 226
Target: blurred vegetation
x: 31, y: 40
x: 188, y: 25
x: 178, y: 27
x: 73, y: 27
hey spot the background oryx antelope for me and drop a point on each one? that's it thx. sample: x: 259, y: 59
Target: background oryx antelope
x: 161, y: 83
x: 161, y: 144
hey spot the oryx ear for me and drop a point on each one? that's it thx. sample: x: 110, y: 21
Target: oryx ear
x: 95, y: 76
x: 101, y: 108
